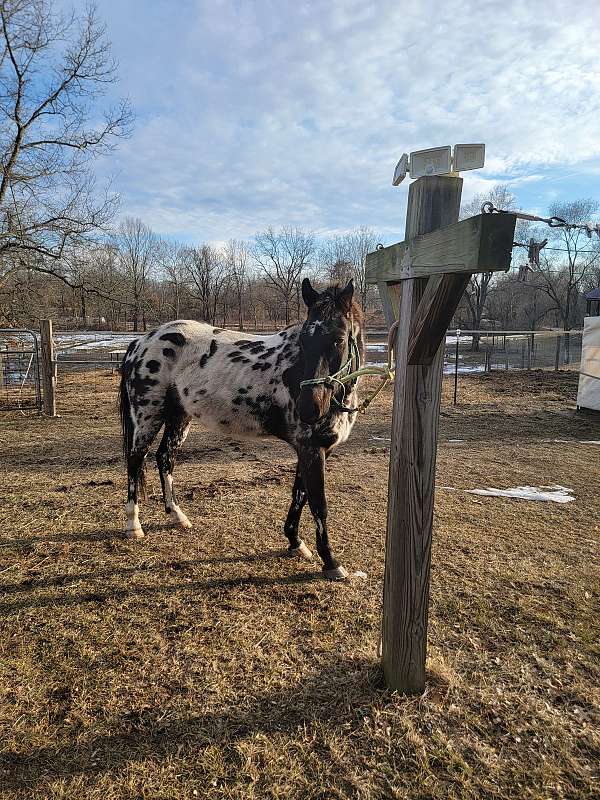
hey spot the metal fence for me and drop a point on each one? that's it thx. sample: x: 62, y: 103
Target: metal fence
x: 85, y: 359
x: 20, y: 370
x: 485, y: 351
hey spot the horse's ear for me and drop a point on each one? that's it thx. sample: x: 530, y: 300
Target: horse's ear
x: 309, y: 295
x: 346, y: 295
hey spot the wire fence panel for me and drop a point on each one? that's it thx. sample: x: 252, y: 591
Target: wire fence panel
x: 85, y: 358
x: 20, y: 370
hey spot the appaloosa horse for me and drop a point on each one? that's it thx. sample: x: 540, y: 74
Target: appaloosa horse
x: 247, y: 385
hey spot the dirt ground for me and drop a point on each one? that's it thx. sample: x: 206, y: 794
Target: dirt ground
x: 203, y: 664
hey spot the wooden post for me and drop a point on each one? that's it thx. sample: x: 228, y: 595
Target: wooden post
x: 48, y: 367
x: 433, y: 202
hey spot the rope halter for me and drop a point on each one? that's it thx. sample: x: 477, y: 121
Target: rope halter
x: 351, y: 371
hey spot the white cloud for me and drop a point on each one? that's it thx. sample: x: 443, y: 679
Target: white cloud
x: 295, y: 113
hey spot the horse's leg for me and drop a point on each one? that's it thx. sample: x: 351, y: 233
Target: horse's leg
x: 176, y: 430
x: 136, y: 483
x: 312, y: 466
x: 297, y: 546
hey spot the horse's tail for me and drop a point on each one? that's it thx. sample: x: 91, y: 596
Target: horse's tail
x: 125, y: 406
x: 127, y: 427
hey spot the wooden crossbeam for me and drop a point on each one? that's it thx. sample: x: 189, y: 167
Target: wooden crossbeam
x: 478, y: 244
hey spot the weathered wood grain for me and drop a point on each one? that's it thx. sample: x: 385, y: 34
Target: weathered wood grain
x: 48, y: 367
x: 432, y: 202
x: 433, y: 316
x: 478, y: 244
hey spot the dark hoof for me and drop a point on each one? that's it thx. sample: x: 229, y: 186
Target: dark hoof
x: 337, y: 574
x: 301, y: 550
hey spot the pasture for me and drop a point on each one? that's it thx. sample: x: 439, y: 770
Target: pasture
x: 201, y: 663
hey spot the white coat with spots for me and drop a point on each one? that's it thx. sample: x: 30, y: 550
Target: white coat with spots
x: 244, y: 385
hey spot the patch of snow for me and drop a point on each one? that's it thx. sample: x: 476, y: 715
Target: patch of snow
x: 588, y: 441
x: 381, y: 438
x: 554, y: 494
x: 359, y: 574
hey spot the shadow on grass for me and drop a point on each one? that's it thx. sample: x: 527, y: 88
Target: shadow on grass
x: 195, y: 587
x: 77, y: 536
x: 336, y: 694
x: 53, y: 581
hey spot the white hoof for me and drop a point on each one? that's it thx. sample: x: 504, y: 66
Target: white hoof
x: 134, y: 533
x: 301, y: 550
x: 337, y: 574
x: 178, y: 519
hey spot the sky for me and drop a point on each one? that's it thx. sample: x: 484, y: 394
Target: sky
x: 257, y: 113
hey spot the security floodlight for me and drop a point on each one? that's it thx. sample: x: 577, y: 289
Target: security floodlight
x: 468, y: 156
x: 439, y: 161
x: 435, y: 161
x: 401, y: 170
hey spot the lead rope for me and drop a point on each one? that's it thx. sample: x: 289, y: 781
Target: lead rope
x: 340, y: 378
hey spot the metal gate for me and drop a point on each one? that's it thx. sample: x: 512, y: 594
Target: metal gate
x: 20, y: 370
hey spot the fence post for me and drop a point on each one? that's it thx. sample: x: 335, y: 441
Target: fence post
x: 456, y: 366
x: 48, y: 367
x: 557, y: 355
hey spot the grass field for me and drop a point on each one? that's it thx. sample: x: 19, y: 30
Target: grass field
x: 203, y: 664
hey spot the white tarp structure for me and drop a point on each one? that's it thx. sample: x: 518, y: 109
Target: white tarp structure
x: 588, y: 395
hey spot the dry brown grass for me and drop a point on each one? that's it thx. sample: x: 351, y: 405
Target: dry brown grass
x: 201, y: 664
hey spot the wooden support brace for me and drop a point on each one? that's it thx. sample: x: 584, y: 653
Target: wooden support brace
x: 433, y: 316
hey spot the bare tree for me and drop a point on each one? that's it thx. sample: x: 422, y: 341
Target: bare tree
x: 282, y: 256
x: 343, y: 257
x: 481, y: 284
x: 137, y: 246
x: 52, y: 70
x: 237, y: 257
x: 569, y: 260
x: 207, y: 278
x: 173, y: 260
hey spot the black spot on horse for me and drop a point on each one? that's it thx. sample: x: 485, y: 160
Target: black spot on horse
x: 241, y: 390
x: 268, y: 352
x: 237, y: 400
x: 256, y: 347
x: 176, y: 338
x: 236, y: 359
x: 263, y: 367
x: 201, y: 391
x: 234, y: 354
x: 217, y: 330
x: 150, y: 334
x: 275, y: 421
x: 243, y: 344
x: 168, y: 352
x: 186, y: 391
x: 153, y: 366
x: 291, y: 379
x: 211, y: 352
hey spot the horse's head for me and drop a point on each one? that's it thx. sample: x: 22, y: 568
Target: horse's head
x: 333, y: 324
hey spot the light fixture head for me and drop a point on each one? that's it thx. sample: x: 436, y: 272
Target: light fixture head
x: 401, y: 170
x: 468, y: 156
x: 434, y: 161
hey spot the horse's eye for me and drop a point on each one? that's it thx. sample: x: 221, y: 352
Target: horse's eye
x: 340, y: 342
